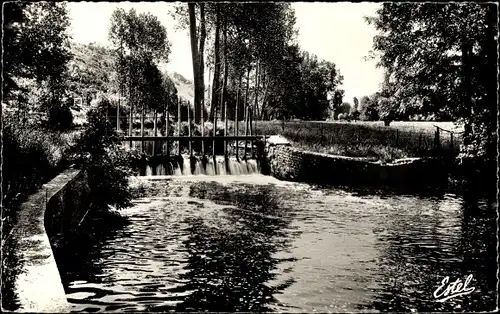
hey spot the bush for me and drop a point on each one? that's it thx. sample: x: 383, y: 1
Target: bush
x: 31, y: 157
x: 60, y: 117
x: 106, y: 163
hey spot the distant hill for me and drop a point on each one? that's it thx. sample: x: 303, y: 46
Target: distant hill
x: 92, y: 70
x: 185, y: 87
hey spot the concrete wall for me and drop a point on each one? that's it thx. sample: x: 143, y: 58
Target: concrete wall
x: 289, y: 163
x: 58, y: 205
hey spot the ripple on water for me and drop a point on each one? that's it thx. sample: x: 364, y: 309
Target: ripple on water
x: 258, y: 244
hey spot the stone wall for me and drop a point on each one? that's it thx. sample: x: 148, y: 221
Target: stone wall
x: 58, y: 205
x: 289, y: 163
x: 67, y: 208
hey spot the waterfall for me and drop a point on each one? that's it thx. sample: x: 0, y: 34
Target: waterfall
x: 231, y: 166
x: 199, y: 168
x: 186, y: 171
x: 177, y: 169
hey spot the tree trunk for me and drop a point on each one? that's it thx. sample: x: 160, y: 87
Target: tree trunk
x: 255, y: 108
x: 264, y: 98
x: 194, y: 53
x: 226, y: 71
x: 468, y: 109
x: 215, y: 84
x: 201, y: 63
x: 255, y: 105
x: 247, y: 91
x: 209, y: 96
x: 238, y: 98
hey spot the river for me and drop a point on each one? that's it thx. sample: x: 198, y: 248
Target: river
x: 254, y: 243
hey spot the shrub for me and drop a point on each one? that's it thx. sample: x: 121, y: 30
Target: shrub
x: 60, y: 117
x: 58, y: 110
x: 106, y: 163
x: 31, y: 157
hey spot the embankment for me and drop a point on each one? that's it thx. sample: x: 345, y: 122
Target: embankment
x: 289, y: 163
x: 58, y: 206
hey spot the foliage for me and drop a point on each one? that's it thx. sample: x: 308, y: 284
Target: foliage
x: 36, y: 43
x: 106, y: 164
x: 344, y: 109
x: 59, y: 115
x: 30, y: 157
x: 140, y: 41
x: 254, y: 55
x: 91, y: 71
x: 369, y: 108
x: 36, y: 55
x: 441, y: 57
x: 139, y: 32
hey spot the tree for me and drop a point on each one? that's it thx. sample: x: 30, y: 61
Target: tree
x: 344, y: 109
x: 197, y: 51
x: 36, y: 43
x: 355, y: 110
x: 240, y: 36
x: 36, y: 54
x: 442, y: 57
x: 131, y: 33
x: 369, y: 108
x: 318, y: 80
x: 355, y: 103
x: 141, y: 41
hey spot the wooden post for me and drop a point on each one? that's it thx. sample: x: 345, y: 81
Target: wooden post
x: 167, y: 129
x: 179, y: 123
x: 254, y: 110
x: 397, y: 137
x: 155, y: 130
x: 246, y: 133
x: 236, y: 120
x: 142, y: 128
x: 118, y: 115
x: 213, y: 144
x: 451, y: 140
x: 189, y: 130
x: 203, y: 125
x: 252, y: 130
x: 130, y: 124
x: 420, y: 141
x: 225, y: 128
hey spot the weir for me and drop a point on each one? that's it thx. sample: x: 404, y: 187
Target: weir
x: 186, y: 165
x: 164, y: 153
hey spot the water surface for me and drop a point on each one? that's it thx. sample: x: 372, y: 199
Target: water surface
x: 253, y: 243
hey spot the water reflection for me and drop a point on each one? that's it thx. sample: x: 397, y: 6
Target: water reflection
x: 423, y: 244
x: 275, y: 246
x: 478, y: 246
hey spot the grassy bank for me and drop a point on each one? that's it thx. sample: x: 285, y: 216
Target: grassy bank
x: 31, y: 157
x: 365, y: 139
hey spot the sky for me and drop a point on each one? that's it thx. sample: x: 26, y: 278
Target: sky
x: 335, y: 32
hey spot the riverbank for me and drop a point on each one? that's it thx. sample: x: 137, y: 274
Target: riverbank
x: 367, y: 139
x: 32, y: 282
x: 444, y: 174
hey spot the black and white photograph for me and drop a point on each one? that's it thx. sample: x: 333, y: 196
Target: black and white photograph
x: 282, y: 157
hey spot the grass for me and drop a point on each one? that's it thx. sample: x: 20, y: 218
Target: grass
x: 31, y: 157
x: 372, y: 140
